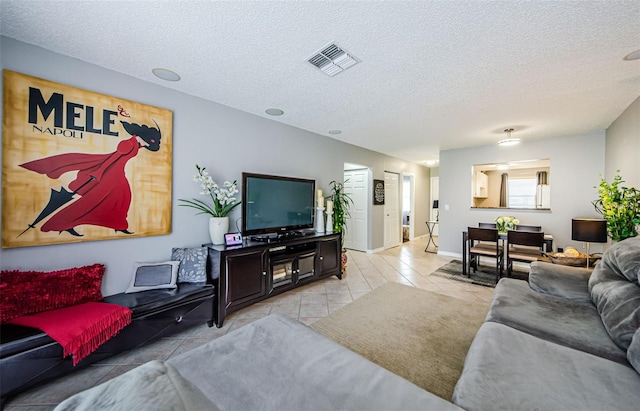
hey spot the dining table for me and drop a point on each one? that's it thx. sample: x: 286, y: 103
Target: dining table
x: 548, y: 246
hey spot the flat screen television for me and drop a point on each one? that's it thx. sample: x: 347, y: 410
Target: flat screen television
x: 274, y: 204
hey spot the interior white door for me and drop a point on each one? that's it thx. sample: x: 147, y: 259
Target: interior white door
x: 356, y: 185
x: 392, y: 214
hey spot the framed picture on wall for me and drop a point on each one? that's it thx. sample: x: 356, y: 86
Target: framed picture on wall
x: 81, y: 166
x: 378, y: 192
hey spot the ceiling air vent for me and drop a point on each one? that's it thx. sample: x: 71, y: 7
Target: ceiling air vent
x: 332, y: 60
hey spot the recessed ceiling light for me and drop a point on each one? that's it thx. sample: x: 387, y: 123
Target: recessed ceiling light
x: 431, y: 162
x: 335, y: 132
x: 633, y: 56
x: 165, y: 74
x: 274, y: 112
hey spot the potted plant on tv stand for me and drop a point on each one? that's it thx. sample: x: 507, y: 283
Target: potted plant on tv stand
x: 341, y: 204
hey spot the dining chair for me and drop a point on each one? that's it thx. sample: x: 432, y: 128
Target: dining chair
x: 484, y: 242
x: 523, y: 246
x: 520, y: 227
x: 488, y: 225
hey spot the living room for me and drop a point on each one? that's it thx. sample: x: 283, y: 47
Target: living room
x: 218, y: 136
x: 209, y: 134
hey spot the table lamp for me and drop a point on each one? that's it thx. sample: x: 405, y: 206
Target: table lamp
x: 435, y: 207
x: 589, y: 230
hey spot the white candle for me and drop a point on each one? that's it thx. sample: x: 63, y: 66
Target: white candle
x: 320, y: 202
x: 329, y: 206
x: 319, y: 194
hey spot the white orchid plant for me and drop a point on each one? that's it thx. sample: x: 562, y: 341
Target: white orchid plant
x: 222, y: 197
x: 505, y: 223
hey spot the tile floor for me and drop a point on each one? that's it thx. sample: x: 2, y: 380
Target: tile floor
x: 407, y: 264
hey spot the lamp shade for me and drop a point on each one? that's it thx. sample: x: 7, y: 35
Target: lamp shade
x: 435, y: 203
x: 592, y: 230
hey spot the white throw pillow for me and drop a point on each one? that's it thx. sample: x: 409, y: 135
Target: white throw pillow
x: 153, y: 276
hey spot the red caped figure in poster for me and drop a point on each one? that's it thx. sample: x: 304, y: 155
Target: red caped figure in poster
x: 101, y: 183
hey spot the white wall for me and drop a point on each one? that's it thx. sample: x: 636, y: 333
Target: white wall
x: 225, y: 140
x: 577, y: 163
x: 623, y: 146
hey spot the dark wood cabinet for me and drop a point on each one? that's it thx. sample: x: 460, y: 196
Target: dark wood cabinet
x: 248, y: 274
x: 329, y: 257
x: 257, y: 270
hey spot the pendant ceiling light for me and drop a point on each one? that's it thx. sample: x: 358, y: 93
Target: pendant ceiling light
x: 509, y: 141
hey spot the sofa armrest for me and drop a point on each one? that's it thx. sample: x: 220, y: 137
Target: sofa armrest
x: 560, y: 280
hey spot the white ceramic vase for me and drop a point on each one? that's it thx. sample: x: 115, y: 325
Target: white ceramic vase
x: 218, y: 227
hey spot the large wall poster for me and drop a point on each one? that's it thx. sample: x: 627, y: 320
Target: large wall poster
x: 81, y: 166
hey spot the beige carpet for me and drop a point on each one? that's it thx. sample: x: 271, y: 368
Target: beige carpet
x: 419, y: 335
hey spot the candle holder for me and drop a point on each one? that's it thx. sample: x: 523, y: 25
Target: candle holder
x: 319, y: 227
x: 329, y: 221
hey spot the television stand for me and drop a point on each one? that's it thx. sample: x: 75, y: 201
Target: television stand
x: 260, y: 269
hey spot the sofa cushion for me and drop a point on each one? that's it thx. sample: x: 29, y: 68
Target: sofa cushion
x: 633, y: 353
x: 571, y: 323
x: 560, y: 280
x: 29, y: 292
x: 615, y: 291
x: 277, y: 363
x: 151, y: 386
x: 506, y: 369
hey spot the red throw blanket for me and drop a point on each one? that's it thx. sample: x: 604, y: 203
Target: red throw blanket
x: 80, y: 329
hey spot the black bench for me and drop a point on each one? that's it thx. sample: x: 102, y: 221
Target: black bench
x: 29, y: 357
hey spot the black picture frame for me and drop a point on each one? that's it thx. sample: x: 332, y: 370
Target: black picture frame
x: 378, y: 192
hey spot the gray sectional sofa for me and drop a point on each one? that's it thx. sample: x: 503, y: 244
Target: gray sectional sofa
x: 568, y: 340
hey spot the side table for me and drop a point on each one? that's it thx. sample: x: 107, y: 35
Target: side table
x: 431, y: 225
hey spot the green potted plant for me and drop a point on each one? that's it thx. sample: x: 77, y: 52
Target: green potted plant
x: 620, y: 206
x: 341, y: 204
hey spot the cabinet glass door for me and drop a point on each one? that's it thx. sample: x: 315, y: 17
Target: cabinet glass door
x: 306, y: 266
x: 281, y: 273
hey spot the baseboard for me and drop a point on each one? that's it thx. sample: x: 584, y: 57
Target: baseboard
x: 448, y: 254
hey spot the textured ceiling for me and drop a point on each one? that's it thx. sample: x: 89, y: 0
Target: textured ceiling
x: 434, y: 75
